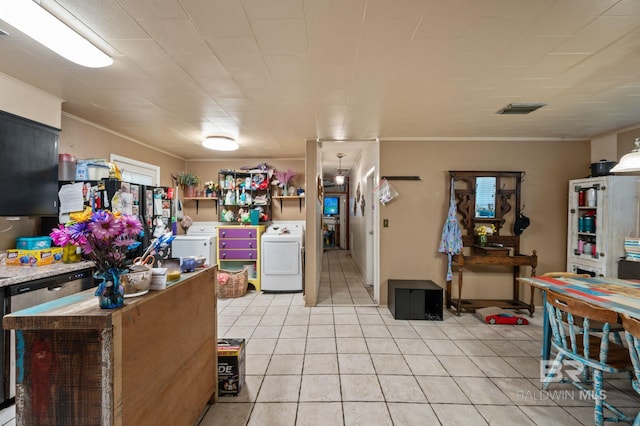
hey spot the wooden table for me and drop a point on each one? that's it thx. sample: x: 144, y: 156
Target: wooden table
x: 151, y: 362
x: 618, y: 295
x: 487, y: 257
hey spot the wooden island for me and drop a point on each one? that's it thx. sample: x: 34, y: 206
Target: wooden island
x: 151, y: 362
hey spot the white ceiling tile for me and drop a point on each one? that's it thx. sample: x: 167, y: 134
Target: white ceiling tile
x: 273, y: 9
x: 288, y: 67
x: 106, y: 18
x: 598, y: 34
x: 176, y: 36
x: 280, y: 36
x: 220, y: 18
x: 154, y: 9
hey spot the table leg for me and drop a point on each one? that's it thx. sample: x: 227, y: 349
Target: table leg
x: 459, y: 291
x: 532, y: 306
x: 546, y: 330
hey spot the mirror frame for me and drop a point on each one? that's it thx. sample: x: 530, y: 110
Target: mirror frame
x: 508, y: 194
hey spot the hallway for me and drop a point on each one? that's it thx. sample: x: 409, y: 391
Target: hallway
x: 341, y: 283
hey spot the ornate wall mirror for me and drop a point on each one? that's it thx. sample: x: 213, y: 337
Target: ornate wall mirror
x: 486, y: 197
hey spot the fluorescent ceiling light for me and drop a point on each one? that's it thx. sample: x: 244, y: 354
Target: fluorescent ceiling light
x: 33, y: 20
x: 629, y: 162
x: 220, y: 143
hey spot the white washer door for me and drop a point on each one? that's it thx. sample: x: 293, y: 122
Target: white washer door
x: 280, y: 257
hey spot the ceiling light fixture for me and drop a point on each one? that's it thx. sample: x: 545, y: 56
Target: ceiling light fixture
x: 339, y: 175
x: 629, y: 162
x: 30, y: 18
x: 220, y: 143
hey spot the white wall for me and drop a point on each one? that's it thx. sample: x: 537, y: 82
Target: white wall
x: 357, y: 226
x: 29, y: 102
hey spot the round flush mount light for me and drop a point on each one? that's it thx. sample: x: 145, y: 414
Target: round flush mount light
x: 220, y: 143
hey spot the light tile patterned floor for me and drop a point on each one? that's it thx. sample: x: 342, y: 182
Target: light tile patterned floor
x: 357, y: 365
x: 351, y: 363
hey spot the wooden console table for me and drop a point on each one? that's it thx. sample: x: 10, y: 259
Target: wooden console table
x: 151, y: 362
x: 484, y: 257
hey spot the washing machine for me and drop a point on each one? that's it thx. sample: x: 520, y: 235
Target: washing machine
x: 200, y: 240
x: 282, y: 254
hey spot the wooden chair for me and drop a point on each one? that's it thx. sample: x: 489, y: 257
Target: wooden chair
x: 595, y: 326
x: 594, y: 353
x: 632, y: 328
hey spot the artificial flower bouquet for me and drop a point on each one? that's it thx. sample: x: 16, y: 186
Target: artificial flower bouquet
x: 485, y: 230
x: 105, y: 238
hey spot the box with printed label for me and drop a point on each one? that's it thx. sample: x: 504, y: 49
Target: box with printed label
x: 230, y: 366
x: 40, y: 257
x: 33, y: 243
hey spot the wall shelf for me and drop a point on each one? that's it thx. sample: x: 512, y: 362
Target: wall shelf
x: 288, y: 197
x: 197, y: 200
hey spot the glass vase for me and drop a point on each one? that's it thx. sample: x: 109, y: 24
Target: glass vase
x: 482, y: 240
x: 110, y: 291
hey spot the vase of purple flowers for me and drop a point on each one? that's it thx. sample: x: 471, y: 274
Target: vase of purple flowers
x: 105, y: 238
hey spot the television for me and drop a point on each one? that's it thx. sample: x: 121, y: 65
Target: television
x: 29, y: 168
x: 331, y: 206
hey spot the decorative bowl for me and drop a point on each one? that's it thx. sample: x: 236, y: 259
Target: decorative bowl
x: 136, y: 282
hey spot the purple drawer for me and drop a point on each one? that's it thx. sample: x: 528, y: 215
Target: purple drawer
x: 237, y: 244
x: 238, y: 254
x: 237, y: 233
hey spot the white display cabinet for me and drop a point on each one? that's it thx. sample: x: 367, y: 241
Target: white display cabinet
x: 602, y: 212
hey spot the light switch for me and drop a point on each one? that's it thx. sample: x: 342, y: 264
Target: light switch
x: 385, y: 223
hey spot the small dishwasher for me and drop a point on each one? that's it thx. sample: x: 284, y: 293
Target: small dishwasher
x: 32, y: 293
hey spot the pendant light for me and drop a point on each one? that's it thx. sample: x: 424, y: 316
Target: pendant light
x: 629, y: 162
x: 339, y: 175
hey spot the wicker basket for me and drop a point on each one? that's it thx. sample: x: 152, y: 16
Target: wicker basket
x: 235, y: 285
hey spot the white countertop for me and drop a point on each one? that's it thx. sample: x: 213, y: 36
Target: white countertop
x: 10, y: 275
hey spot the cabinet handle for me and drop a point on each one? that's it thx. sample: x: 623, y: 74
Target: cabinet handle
x: 250, y: 244
x: 250, y: 255
x: 224, y: 244
x: 250, y: 234
x: 224, y: 233
x: 224, y: 255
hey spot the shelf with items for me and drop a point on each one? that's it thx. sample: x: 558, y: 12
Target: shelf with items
x: 242, y: 191
x: 601, y: 213
x: 282, y: 198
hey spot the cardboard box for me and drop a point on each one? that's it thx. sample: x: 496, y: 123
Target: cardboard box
x: 40, y: 257
x: 231, y: 358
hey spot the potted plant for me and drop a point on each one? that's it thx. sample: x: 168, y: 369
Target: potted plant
x: 188, y: 181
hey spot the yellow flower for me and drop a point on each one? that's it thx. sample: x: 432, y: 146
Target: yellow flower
x: 80, y: 217
x: 486, y: 229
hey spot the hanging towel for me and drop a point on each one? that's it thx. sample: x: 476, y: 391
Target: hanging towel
x: 451, y: 242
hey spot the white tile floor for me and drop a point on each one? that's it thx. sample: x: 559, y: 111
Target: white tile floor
x: 357, y: 365
x: 341, y: 364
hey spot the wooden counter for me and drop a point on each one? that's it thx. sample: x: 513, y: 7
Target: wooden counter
x: 151, y: 362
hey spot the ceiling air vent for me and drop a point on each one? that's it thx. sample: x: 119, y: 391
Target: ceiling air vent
x: 3, y: 32
x: 520, y: 108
